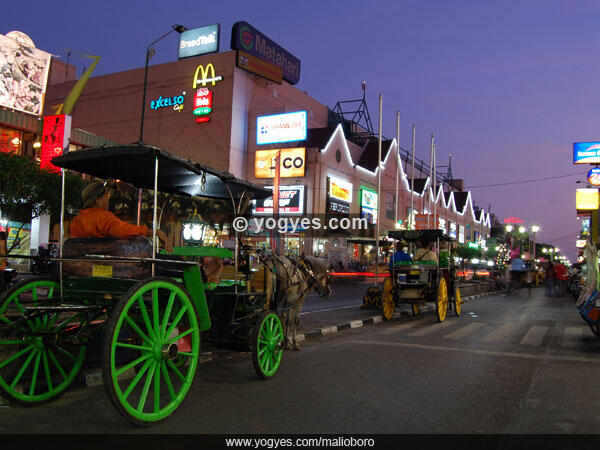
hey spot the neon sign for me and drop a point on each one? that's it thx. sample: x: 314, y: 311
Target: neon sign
x: 593, y: 176
x: 55, y: 136
x: 176, y: 102
x: 204, y: 78
x: 202, y: 102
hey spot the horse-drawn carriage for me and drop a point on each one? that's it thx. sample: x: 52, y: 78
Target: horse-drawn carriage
x: 137, y: 312
x: 419, y: 281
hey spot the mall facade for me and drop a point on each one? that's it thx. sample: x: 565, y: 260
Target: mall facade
x: 210, y: 110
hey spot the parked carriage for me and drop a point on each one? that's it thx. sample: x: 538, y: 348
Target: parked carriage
x: 418, y: 282
x: 137, y: 312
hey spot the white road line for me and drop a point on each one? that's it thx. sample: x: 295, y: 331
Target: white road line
x: 481, y: 352
x: 467, y: 329
x: 534, y: 336
x: 330, y: 309
x: 572, y: 336
x: 399, y: 328
x: 430, y: 329
x: 500, y: 333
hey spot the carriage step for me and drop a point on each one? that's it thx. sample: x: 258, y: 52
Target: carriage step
x: 63, y: 307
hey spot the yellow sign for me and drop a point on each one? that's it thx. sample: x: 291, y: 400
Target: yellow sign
x: 204, y: 78
x: 587, y: 199
x: 99, y: 270
x: 292, y: 162
x: 340, y: 189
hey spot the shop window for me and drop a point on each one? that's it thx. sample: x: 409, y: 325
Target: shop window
x: 10, y: 140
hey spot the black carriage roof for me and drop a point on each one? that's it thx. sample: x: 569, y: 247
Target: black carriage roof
x: 420, y: 235
x: 134, y: 164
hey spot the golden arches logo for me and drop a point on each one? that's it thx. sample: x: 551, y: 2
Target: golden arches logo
x: 204, y: 72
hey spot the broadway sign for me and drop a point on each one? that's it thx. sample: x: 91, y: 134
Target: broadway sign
x: 250, y: 40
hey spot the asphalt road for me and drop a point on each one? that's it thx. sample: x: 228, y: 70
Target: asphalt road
x: 507, y: 365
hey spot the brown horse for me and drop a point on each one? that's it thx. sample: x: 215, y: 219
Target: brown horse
x: 295, y: 278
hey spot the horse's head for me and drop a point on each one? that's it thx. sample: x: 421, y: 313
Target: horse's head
x: 320, y: 273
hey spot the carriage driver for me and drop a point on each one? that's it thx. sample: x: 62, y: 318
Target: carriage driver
x: 96, y: 221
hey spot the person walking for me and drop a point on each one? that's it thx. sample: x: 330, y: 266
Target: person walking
x: 549, y: 279
x: 560, y: 276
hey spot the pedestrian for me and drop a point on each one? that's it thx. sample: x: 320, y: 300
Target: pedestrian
x: 549, y: 279
x: 560, y: 276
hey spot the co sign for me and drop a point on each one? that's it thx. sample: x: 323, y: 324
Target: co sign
x: 593, y: 176
x: 296, y: 162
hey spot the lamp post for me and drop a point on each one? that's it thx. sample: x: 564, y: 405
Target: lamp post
x: 149, y: 54
x: 534, y: 229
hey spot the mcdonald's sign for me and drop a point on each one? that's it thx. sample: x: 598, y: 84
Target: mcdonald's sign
x: 201, y: 76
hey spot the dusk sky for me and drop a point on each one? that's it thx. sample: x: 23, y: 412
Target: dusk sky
x: 506, y: 86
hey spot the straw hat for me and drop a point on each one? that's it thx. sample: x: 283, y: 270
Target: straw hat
x: 91, y: 193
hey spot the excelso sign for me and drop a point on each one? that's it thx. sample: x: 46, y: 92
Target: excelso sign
x: 199, y: 41
x: 249, y: 39
x: 287, y: 127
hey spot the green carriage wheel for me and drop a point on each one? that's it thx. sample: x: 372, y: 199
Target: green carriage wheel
x: 37, y: 359
x: 267, y: 345
x: 151, y: 328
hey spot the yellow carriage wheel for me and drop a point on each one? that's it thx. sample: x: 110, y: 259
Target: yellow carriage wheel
x: 387, y: 301
x: 441, y: 306
x: 457, y: 302
x: 415, y: 309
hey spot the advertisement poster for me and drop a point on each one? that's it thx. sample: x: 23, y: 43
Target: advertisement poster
x: 291, y: 201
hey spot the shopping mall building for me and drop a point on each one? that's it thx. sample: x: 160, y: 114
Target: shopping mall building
x: 228, y: 109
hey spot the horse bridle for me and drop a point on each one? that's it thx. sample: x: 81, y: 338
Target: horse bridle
x: 306, y: 266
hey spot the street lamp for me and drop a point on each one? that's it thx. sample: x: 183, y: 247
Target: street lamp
x: 534, y: 229
x: 149, y: 54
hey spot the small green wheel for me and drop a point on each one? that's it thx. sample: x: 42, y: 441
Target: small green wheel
x: 441, y: 305
x: 267, y: 345
x: 388, y: 303
x: 38, y: 357
x: 415, y: 308
x: 457, y: 302
x: 151, y: 329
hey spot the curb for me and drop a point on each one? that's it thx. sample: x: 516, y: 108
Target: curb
x: 331, y: 329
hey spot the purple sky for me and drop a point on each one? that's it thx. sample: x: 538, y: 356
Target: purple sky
x: 506, y: 86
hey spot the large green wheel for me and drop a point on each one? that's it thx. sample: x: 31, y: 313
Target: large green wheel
x: 388, y: 304
x: 267, y: 345
x: 441, y: 305
x: 38, y: 357
x: 152, y: 327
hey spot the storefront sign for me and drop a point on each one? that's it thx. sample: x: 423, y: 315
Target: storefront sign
x: 452, y: 230
x: 202, y: 102
x: 368, y: 205
x: 593, y: 176
x: 247, y: 38
x: 586, y: 199
x: 176, y: 102
x: 259, y: 67
x: 199, y: 41
x: 513, y: 220
x: 586, y: 153
x: 291, y: 201
x: 292, y: 162
x: 340, y: 190
x: 461, y: 234
x: 337, y: 207
x: 287, y: 127
x: 55, y: 136
x: 442, y: 225
x: 204, y: 75
x: 23, y: 73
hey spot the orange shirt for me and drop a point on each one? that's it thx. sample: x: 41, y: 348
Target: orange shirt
x: 98, y: 222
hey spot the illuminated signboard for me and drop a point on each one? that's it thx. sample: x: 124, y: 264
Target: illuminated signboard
x: 580, y: 243
x: 291, y: 162
x: 513, y: 220
x: 593, y: 176
x: 452, y: 230
x: 205, y: 75
x: 291, y: 201
x: 259, y: 67
x: 23, y: 73
x: 202, y: 102
x: 203, y: 97
x: 586, y: 199
x: 340, y: 189
x: 287, y: 127
x: 55, y: 136
x: 199, y: 41
x: 368, y: 205
x: 461, y: 234
x: 442, y: 224
x: 586, y: 153
x: 247, y: 38
x: 162, y: 102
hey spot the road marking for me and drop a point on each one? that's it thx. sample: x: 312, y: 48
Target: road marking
x: 329, y: 309
x: 398, y: 328
x: 356, y: 324
x: 534, y: 336
x: 481, y: 352
x: 430, y: 329
x: 462, y: 332
x: 572, y: 336
x: 499, y: 333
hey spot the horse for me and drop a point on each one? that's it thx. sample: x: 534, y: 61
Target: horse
x: 295, y: 278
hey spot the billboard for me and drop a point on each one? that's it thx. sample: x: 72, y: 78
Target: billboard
x: 276, y: 128
x: 593, y: 176
x: 23, y: 74
x: 259, y: 67
x: 292, y: 162
x: 368, y: 205
x: 291, y: 201
x: 199, y: 41
x: 586, y: 153
x: 340, y: 190
x: 587, y: 199
x: 248, y: 39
